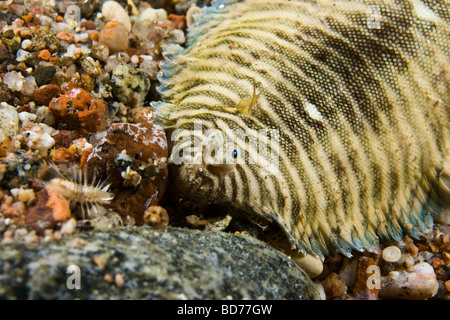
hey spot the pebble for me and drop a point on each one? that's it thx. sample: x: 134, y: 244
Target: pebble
x: 43, y: 95
x: 10, y: 119
x: 419, y: 282
x: 38, y: 137
x: 114, y: 35
x: 130, y: 85
x: 14, y: 80
x: 44, y: 74
x: 391, y: 254
x: 152, y: 15
x: 79, y: 109
x: 156, y: 216
x: 113, y: 11
x: 44, y: 55
x: 334, y: 286
x: 312, y: 265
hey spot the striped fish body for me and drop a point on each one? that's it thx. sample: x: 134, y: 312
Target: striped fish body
x: 353, y: 97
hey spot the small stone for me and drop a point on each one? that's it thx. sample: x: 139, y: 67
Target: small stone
x: 179, y: 22
x: 5, y: 92
x: 130, y: 85
x: 118, y: 279
x: 69, y: 226
x: 100, y: 51
x: 66, y: 36
x: 391, y: 254
x: 113, y: 11
x: 14, y: 80
x: 90, y: 66
x: 9, y: 123
x: 88, y: 25
x: 156, y: 216
x: 313, y: 266
x: 334, y: 286
x: 43, y: 115
x: 4, y: 52
x: 38, y: 137
x: 419, y: 282
x: 45, y: 94
x: 58, y: 204
x: 78, y: 109
x: 152, y: 15
x: 44, y: 75
x: 40, y: 217
x: 114, y: 35
x: 22, y: 55
x: 149, y: 67
x: 44, y: 55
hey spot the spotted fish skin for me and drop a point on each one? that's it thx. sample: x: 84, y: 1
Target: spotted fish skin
x: 359, y: 92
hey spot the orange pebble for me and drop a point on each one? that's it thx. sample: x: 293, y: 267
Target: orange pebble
x: 66, y: 36
x: 59, y: 204
x: 44, y: 55
x: 59, y: 19
x: 28, y: 17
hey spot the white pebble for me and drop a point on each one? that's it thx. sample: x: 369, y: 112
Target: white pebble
x: 43, y: 115
x: 152, y: 15
x: 419, y: 282
x: 22, y: 55
x: 9, y: 123
x: 391, y: 254
x: 134, y: 59
x: 113, y: 11
x: 26, y: 117
x: 69, y: 226
x: 26, y: 44
x: 312, y: 265
x: 14, y: 80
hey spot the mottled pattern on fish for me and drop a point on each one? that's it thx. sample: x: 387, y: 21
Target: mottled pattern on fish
x: 360, y: 93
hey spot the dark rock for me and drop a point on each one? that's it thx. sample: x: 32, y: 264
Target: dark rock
x: 146, y: 263
x: 5, y: 93
x: 4, y: 52
x: 44, y: 75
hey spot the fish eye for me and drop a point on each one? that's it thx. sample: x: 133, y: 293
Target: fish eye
x: 235, y: 154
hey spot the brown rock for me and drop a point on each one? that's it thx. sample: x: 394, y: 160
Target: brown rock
x: 132, y: 157
x: 5, y: 93
x: 40, y: 216
x: 78, y: 109
x: 179, y: 22
x: 4, y: 52
x: 334, y: 286
x: 45, y: 94
x: 88, y: 24
x: 64, y: 138
x: 156, y: 216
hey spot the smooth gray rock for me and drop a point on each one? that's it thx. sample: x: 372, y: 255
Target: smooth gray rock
x: 167, y: 263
